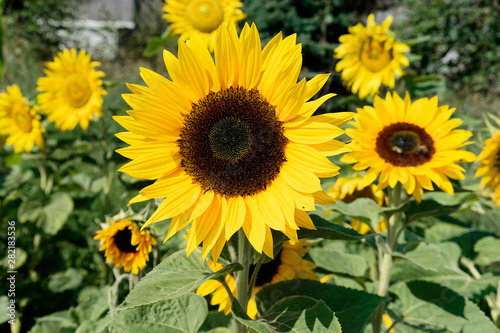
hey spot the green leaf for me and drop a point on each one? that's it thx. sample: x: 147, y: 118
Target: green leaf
x: 173, y: 277
x: 67, y: 280
x: 217, y: 321
x: 418, y: 40
x: 425, y: 256
x: 435, y: 307
x: 56, y: 213
x: 353, y: 308
x: 298, y: 314
x: 328, y: 230
x: 182, y: 314
x: 487, y: 250
x: 337, y: 262
x: 447, y: 274
x: 21, y: 257
x: 366, y: 210
x: 4, y: 310
x: 428, y: 208
x: 156, y: 43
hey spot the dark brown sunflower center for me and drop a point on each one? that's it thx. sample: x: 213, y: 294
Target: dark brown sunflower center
x: 123, y: 240
x: 266, y: 272
x: 230, y: 139
x: 404, y: 144
x: 232, y: 142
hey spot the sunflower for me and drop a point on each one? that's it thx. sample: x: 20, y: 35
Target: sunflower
x: 19, y: 121
x: 233, y: 144
x: 288, y: 265
x: 414, y: 144
x: 71, y: 92
x: 370, y: 56
x: 202, y: 17
x: 125, y: 245
x: 489, y: 167
x: 350, y: 189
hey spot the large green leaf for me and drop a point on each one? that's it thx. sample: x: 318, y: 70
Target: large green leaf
x: 488, y: 251
x: 447, y: 274
x: 57, y: 212
x: 298, y: 314
x: 353, y: 308
x: 328, y: 230
x: 366, y: 210
x: 435, y: 307
x: 178, y: 315
x: 67, y: 280
x: 337, y: 262
x: 425, y: 256
x: 175, y: 276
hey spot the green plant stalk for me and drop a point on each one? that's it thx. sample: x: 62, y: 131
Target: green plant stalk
x: 113, y: 291
x: 385, y: 259
x: 244, y: 258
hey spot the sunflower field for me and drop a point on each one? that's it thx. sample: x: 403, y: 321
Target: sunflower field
x: 250, y: 166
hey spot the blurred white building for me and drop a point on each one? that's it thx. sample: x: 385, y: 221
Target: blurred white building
x: 97, y: 25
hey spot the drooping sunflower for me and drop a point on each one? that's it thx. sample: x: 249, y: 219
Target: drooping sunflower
x: 203, y: 17
x: 125, y: 245
x: 19, y: 121
x: 233, y: 144
x: 288, y: 265
x: 71, y: 93
x: 414, y: 144
x: 489, y: 167
x: 370, y: 56
x: 349, y: 189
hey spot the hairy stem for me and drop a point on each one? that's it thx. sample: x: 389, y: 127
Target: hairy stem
x: 385, y: 259
x: 244, y: 258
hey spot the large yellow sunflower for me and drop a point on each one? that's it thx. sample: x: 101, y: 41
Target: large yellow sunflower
x: 125, y: 245
x: 202, y: 17
x: 19, y: 121
x: 350, y: 189
x: 71, y: 93
x: 233, y: 144
x: 288, y: 265
x: 410, y: 143
x: 370, y: 56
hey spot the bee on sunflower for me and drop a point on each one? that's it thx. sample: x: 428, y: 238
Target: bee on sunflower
x: 414, y: 144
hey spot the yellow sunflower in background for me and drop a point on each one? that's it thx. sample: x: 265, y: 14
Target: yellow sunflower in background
x: 350, y: 189
x: 370, y: 56
x: 203, y: 17
x: 71, y: 93
x: 19, y: 121
x: 414, y: 144
x: 489, y: 167
x: 125, y: 245
x: 233, y: 144
x: 288, y: 265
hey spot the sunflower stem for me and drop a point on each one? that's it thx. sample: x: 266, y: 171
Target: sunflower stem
x: 113, y: 291
x: 244, y: 258
x: 385, y: 259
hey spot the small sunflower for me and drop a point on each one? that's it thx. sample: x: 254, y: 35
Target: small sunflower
x: 125, y: 245
x: 370, y: 56
x: 489, y: 167
x: 288, y: 265
x: 71, y: 93
x: 19, y: 121
x: 350, y: 189
x: 410, y: 143
x: 232, y: 145
x: 203, y: 17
